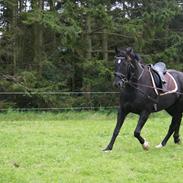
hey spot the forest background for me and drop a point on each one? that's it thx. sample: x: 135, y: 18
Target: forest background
x: 53, y: 46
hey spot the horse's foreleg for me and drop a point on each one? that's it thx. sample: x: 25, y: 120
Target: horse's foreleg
x: 120, y: 119
x: 141, y: 122
x: 174, y: 126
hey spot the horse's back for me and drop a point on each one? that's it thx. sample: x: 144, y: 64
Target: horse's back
x: 178, y: 76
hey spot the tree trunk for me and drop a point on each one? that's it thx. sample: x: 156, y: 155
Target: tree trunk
x: 105, y: 45
x: 52, y: 4
x: 38, y: 37
x: 53, y: 35
x: 89, y: 51
x: 38, y: 41
x: 88, y: 38
x: 14, y: 36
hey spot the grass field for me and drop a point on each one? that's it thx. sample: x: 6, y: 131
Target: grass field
x: 67, y: 148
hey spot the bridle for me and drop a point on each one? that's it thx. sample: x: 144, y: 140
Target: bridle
x: 124, y: 78
x: 121, y: 76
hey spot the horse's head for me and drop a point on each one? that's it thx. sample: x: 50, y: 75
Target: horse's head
x: 124, y: 67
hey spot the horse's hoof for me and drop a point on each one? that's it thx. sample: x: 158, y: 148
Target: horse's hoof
x: 145, y: 146
x: 159, y: 146
x: 107, y: 149
x: 178, y: 142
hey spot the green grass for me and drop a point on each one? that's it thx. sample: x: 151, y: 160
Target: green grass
x: 67, y: 148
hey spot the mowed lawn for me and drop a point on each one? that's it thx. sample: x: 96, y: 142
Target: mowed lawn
x: 67, y: 148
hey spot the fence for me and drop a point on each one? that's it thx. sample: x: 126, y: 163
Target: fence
x: 63, y: 96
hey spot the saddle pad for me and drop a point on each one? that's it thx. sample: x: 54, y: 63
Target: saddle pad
x: 169, y: 87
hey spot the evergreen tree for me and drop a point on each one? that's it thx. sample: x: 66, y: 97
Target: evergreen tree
x: 48, y: 45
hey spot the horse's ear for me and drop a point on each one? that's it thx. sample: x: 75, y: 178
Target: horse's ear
x: 129, y: 51
x: 116, y: 50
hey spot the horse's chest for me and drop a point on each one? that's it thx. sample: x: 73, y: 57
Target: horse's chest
x: 132, y: 98
x: 129, y: 97
x: 132, y: 103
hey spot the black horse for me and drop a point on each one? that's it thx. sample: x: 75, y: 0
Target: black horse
x: 139, y: 95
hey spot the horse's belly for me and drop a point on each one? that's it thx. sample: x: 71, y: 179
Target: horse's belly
x: 136, y: 107
x: 166, y: 101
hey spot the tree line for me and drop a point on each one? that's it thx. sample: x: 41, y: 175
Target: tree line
x: 67, y: 45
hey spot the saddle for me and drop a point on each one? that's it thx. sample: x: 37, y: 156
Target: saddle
x: 163, y: 81
x: 160, y: 69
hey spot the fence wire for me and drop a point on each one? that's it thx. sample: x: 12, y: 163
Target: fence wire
x: 65, y: 93
x: 61, y: 108
x: 53, y: 93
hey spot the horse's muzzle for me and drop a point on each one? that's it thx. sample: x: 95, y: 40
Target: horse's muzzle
x: 118, y: 84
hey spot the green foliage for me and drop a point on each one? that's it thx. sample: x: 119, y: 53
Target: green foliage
x: 99, y: 69
x: 69, y: 47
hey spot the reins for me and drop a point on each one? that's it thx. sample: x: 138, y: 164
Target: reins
x: 141, y: 91
x: 147, y: 86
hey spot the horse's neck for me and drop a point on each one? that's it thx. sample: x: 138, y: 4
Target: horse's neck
x: 139, y: 71
x: 130, y: 91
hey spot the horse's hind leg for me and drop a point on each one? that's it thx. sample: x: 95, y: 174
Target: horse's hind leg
x: 176, y: 133
x: 142, y: 120
x: 174, y: 127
